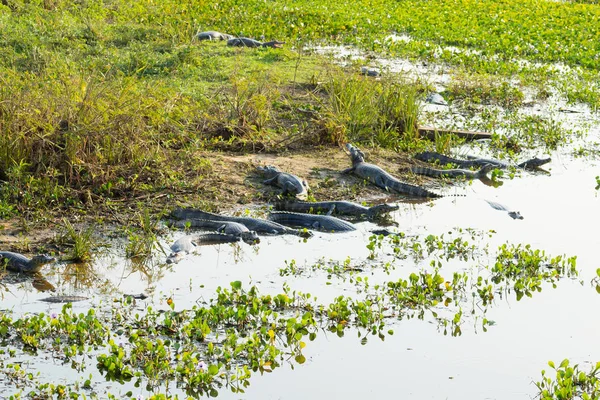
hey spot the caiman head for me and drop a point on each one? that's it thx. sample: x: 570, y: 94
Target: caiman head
x: 515, y: 215
x: 269, y: 170
x: 537, y: 162
x: 250, y: 237
x: 275, y: 44
x: 40, y: 260
x: 382, y: 209
x: 356, y: 155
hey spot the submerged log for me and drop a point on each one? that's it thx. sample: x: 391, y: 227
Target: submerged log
x: 429, y: 132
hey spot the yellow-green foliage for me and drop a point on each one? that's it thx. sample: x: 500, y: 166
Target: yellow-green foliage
x: 105, y: 95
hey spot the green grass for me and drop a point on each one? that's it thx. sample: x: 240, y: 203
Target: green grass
x: 112, y: 99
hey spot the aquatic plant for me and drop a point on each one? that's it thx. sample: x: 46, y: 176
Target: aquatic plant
x: 143, y: 238
x: 79, y: 242
x: 570, y: 382
x: 357, y: 109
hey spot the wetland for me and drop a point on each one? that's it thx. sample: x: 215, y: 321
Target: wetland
x: 112, y: 115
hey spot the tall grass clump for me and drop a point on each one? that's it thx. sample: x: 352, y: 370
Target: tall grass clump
x: 79, y: 242
x: 89, y: 132
x: 357, y: 109
x: 143, y: 239
x: 242, y: 112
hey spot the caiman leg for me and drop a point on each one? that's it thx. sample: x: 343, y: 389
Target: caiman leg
x: 289, y: 188
x: 379, y: 182
x: 347, y: 171
x: 331, y: 210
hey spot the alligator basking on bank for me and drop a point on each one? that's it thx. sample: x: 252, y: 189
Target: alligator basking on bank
x: 247, y: 42
x: 213, y: 35
x: 19, y: 263
x: 381, y: 178
x: 227, y: 227
x: 254, y: 224
x: 432, y: 157
x: 324, y: 223
x: 290, y: 184
x: 453, y: 173
x: 336, y: 207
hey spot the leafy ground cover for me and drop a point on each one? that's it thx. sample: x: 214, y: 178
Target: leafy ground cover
x: 239, y: 332
x: 110, y: 110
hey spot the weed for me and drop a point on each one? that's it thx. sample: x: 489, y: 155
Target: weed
x: 80, y: 242
x: 381, y: 113
x: 485, y: 89
x: 143, y: 240
x: 570, y: 382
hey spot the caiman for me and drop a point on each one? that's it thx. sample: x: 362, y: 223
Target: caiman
x: 324, y: 223
x: 63, y: 299
x: 227, y: 227
x: 19, y: 263
x: 381, y: 178
x: 182, y: 246
x: 432, y: 156
x: 453, y: 173
x: 290, y: 184
x: 254, y: 224
x: 500, y: 207
x: 247, y: 42
x: 187, y: 244
x: 213, y: 35
x: 337, y: 207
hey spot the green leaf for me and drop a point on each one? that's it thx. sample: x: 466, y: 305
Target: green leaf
x: 300, y: 359
x: 237, y: 285
x: 213, y: 369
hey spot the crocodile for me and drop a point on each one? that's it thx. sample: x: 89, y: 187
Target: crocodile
x: 290, y: 184
x: 336, y: 207
x: 63, y: 299
x: 182, y: 246
x: 436, y: 98
x: 19, y: 263
x: 381, y: 178
x: 387, y: 232
x: 247, y: 42
x: 187, y: 244
x: 213, y: 35
x: 325, y: 223
x: 453, y: 173
x: 136, y: 296
x: 255, y: 224
x: 227, y: 227
x: 500, y: 207
x: 432, y: 156
x: 370, y: 71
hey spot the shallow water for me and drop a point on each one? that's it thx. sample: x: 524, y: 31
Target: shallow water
x: 561, y: 212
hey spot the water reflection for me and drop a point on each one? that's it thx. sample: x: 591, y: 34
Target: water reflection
x: 36, y: 280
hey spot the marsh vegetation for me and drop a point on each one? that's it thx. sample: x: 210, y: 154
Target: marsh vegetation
x: 111, y: 115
